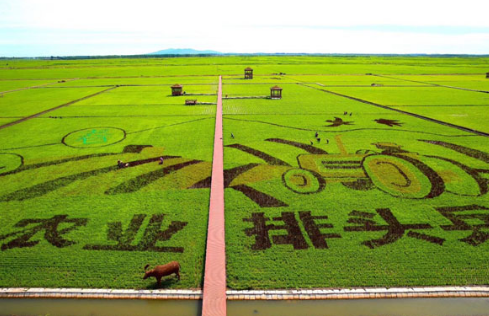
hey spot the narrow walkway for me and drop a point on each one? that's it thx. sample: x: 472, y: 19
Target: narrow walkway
x: 214, y: 295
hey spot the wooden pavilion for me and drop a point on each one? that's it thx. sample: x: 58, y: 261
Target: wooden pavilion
x: 248, y: 73
x: 276, y: 92
x: 176, y: 90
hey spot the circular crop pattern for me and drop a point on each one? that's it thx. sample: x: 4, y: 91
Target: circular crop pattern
x: 10, y: 162
x: 94, y: 137
x: 458, y: 178
x: 397, y: 176
x: 303, y: 181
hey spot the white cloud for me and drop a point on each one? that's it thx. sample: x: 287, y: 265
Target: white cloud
x: 197, y: 14
x: 245, y: 26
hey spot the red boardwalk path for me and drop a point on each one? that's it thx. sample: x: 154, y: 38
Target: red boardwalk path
x: 214, y: 296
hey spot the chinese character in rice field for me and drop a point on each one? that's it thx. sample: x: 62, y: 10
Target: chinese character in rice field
x: 152, y: 235
x: 54, y: 228
x: 469, y: 217
x: 313, y: 229
x: 95, y: 136
x: 394, y: 229
x: 291, y: 226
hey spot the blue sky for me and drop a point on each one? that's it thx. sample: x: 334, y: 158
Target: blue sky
x: 101, y: 27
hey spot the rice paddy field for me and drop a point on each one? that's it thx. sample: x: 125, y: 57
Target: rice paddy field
x: 369, y: 171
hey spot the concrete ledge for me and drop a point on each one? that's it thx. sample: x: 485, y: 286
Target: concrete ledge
x: 100, y: 293
x: 360, y: 293
x: 314, y: 294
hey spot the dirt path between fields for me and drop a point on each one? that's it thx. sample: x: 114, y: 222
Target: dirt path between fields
x: 465, y: 129
x: 52, y: 109
x: 432, y: 84
x: 34, y: 87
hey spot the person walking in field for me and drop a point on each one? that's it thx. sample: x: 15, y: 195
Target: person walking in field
x: 161, y: 161
x: 232, y: 135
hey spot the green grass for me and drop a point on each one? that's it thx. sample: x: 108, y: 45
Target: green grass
x: 60, y: 169
x: 459, y: 107
x: 259, y: 79
x: 145, y: 101
x: 38, y: 192
x: 347, y: 263
x: 70, y: 169
x: 415, y: 96
x: 165, y: 82
x: 473, y: 117
x: 477, y: 82
x: 33, y: 101
x: 4, y: 121
x: 297, y: 99
x: 351, y: 80
x: 19, y: 84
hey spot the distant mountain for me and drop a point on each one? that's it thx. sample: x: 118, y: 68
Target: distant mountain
x: 185, y: 51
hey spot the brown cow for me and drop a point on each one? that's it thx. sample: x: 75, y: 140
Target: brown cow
x: 162, y: 270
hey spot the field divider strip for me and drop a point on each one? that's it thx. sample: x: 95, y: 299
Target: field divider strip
x: 343, y: 131
x: 214, y: 292
x: 55, y: 108
x: 45, y: 85
x: 465, y: 129
x: 432, y: 84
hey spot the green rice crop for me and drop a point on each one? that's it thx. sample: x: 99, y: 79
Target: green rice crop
x: 376, y: 198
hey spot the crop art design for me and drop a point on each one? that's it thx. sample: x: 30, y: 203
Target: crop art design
x: 152, y: 235
x: 9, y: 162
x: 101, y: 166
x: 94, y: 137
x: 338, y: 122
x: 263, y: 225
x: 389, y: 168
x: 472, y: 219
x: 55, y: 228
